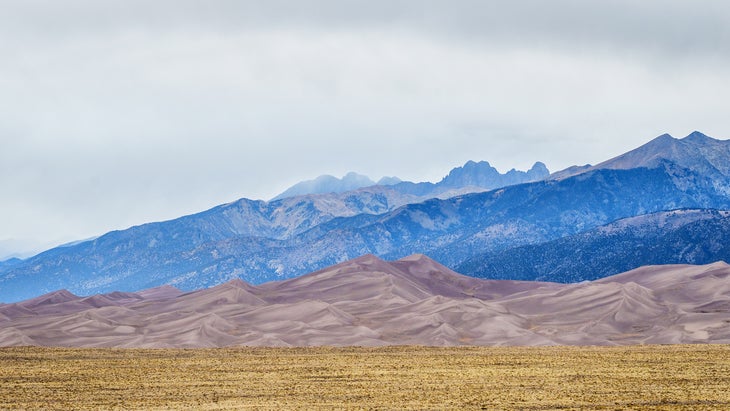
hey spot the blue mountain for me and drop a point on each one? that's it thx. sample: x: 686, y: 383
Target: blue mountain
x: 472, y: 177
x: 261, y: 241
x: 200, y: 250
x: 704, y: 155
x: 668, y: 237
x: 328, y: 184
x: 239, y: 239
x: 455, y: 229
x: 9, y: 263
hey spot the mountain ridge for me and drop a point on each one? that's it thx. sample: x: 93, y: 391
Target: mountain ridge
x: 327, y: 184
x: 472, y: 176
x: 696, y: 151
x: 689, y: 236
x: 262, y: 241
x: 450, y: 230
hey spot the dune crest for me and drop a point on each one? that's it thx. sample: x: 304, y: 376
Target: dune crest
x: 371, y: 302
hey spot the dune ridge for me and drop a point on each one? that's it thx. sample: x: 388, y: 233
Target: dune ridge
x: 371, y: 302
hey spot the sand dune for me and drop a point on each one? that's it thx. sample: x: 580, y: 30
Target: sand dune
x: 368, y: 301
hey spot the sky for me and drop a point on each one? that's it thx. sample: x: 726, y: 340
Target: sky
x: 116, y: 113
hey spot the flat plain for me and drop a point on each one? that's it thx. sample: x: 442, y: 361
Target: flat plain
x: 404, y: 377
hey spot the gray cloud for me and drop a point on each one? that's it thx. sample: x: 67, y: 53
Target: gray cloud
x: 117, y: 113
x: 672, y: 26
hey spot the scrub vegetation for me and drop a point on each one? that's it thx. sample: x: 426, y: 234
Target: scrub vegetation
x: 639, y: 377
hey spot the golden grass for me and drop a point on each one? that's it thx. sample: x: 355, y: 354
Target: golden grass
x: 640, y: 377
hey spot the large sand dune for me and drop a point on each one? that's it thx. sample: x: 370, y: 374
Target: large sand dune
x: 368, y: 301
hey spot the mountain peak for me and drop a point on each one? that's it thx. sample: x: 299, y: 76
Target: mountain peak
x: 698, y: 137
x: 664, y: 137
x: 327, y: 184
x: 330, y: 184
x: 353, y: 176
x: 472, y: 163
x: 539, y: 169
x: 482, y: 174
x: 473, y: 175
x: 389, y: 181
x: 697, y: 152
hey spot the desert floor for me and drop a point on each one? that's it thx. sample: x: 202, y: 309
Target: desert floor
x: 640, y: 377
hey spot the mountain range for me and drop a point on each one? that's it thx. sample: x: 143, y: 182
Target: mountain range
x: 460, y: 221
x: 697, y: 152
x: 241, y: 239
x: 371, y: 302
x: 472, y: 177
x: 686, y: 236
x: 330, y: 184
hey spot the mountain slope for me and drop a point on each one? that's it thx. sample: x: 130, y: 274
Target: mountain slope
x: 453, y: 230
x: 259, y: 241
x: 206, y: 249
x: 668, y: 237
x: 697, y: 152
x: 368, y: 301
x: 9, y: 263
x: 327, y: 184
x: 138, y: 257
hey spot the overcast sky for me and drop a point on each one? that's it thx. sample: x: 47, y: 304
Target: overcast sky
x: 116, y: 113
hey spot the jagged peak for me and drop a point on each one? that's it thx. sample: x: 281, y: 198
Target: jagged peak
x: 686, y: 152
x: 665, y: 136
x: 693, y: 137
x: 698, y: 137
x: 389, y: 181
x: 658, y: 143
x: 482, y: 163
x: 484, y: 175
x: 353, y: 176
x: 470, y: 168
x: 327, y: 184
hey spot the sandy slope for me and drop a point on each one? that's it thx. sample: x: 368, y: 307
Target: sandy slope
x: 368, y: 301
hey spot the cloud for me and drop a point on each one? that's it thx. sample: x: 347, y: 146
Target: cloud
x: 672, y: 26
x: 122, y: 112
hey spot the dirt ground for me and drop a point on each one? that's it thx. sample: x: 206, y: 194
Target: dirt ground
x: 639, y: 377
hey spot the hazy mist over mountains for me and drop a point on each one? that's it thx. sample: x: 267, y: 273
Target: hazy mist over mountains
x: 330, y: 184
x: 472, y: 218
x: 286, y: 173
x: 630, y: 251
x: 470, y: 177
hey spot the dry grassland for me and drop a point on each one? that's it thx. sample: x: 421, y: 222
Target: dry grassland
x: 640, y: 377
